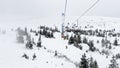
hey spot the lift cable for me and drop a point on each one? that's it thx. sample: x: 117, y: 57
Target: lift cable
x: 86, y: 11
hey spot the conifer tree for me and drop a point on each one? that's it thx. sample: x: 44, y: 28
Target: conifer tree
x: 91, y: 46
x: 85, y: 40
x: 93, y: 64
x: 115, y: 42
x: 84, y: 62
x: 79, y: 39
x: 71, y: 40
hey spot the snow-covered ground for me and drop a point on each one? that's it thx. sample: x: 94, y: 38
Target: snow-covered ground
x: 11, y: 52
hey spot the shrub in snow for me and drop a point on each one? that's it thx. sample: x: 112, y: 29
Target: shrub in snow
x: 28, y: 38
x: 106, y: 52
x: 55, y: 53
x: 80, y: 47
x: 66, y: 36
x: 85, y: 40
x: 21, y: 32
x: 29, y: 45
x: 36, y: 34
x: 39, y: 44
x: 86, y: 51
x: 52, y: 34
x: 97, y: 41
x: 91, y: 64
x: 110, y: 47
x: 34, y: 56
x: 90, y: 43
x: 45, y: 48
x: 77, y: 38
x: 44, y: 32
x: 117, y: 56
x: 25, y: 56
x: 20, y: 39
x: 91, y: 46
x: 92, y: 49
x: 105, y: 43
x: 114, y: 63
x: 95, y: 64
x: 76, y: 43
x: 102, y: 35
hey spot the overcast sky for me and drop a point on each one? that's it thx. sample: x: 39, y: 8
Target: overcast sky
x: 54, y: 8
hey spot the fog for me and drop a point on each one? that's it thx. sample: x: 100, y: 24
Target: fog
x: 52, y: 9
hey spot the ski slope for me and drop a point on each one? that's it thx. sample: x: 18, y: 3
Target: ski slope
x: 11, y: 52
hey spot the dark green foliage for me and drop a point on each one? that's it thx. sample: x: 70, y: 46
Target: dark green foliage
x: 97, y: 41
x: 84, y: 62
x: 110, y: 47
x: 85, y: 40
x: 55, y: 53
x: 93, y: 64
x: 114, y: 63
x: 91, y: 46
x: 25, y: 56
x: 71, y: 40
x: 116, y: 42
x: 80, y: 47
x: 117, y: 56
x: 96, y: 65
x: 79, y: 39
x: 103, y: 42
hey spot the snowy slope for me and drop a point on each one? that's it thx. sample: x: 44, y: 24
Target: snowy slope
x: 11, y: 52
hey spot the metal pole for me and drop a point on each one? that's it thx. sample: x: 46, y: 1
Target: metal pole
x: 64, y: 15
x: 65, y: 10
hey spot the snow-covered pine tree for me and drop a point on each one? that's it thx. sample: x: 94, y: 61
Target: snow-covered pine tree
x: 84, y: 62
x: 103, y: 42
x: 110, y: 47
x: 79, y: 39
x: 117, y: 56
x: 71, y: 40
x: 34, y: 56
x: 116, y: 42
x: 93, y: 64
